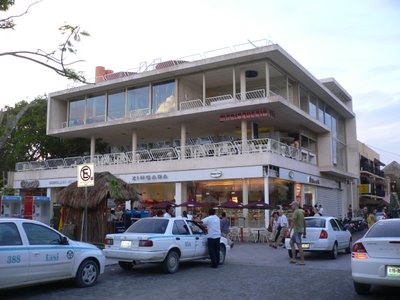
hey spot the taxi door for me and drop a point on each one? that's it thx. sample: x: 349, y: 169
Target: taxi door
x: 184, y: 239
x: 200, y: 239
x: 14, y: 258
x: 48, y: 257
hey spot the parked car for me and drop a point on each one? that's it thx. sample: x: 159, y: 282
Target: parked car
x: 324, y: 234
x: 167, y: 241
x: 375, y: 258
x: 32, y: 252
x: 379, y: 215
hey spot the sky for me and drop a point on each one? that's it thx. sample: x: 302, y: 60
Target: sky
x: 357, y: 42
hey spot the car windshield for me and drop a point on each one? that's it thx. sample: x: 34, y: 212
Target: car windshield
x: 384, y: 229
x: 315, y: 223
x: 149, y: 225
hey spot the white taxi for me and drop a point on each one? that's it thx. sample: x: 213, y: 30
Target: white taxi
x: 32, y: 252
x: 167, y: 241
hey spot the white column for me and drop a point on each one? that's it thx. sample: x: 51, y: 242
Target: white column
x: 92, y: 148
x: 183, y: 141
x: 267, y: 82
x: 234, y: 83
x: 204, y: 88
x: 178, y: 198
x: 134, y: 145
x: 244, y: 131
x: 243, y: 85
x: 245, y: 197
x: 266, y: 199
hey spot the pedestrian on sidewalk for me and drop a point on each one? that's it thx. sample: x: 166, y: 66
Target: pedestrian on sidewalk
x: 298, y: 225
x: 213, y: 224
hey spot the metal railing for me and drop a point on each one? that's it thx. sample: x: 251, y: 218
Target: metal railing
x: 219, y: 149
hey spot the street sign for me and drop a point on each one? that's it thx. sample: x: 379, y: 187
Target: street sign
x: 85, y: 175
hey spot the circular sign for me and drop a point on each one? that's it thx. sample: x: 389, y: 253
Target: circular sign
x: 86, y: 173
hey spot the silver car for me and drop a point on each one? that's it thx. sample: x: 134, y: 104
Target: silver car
x: 375, y: 258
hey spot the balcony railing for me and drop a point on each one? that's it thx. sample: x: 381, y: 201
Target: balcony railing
x: 194, y: 151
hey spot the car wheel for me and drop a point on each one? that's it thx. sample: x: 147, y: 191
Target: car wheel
x: 171, y: 262
x: 126, y: 265
x: 348, y: 249
x: 334, y: 252
x: 222, y: 254
x: 361, y: 288
x: 87, y: 273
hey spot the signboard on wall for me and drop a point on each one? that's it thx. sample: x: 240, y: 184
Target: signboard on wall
x: 364, y: 188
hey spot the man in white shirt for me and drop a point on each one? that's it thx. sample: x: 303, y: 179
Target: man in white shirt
x: 282, y: 227
x: 321, y: 210
x: 212, y: 222
x: 168, y: 211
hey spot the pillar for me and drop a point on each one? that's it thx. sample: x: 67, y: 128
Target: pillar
x: 134, y: 145
x: 267, y: 82
x: 245, y: 197
x: 183, y: 141
x: 266, y: 199
x: 178, y: 198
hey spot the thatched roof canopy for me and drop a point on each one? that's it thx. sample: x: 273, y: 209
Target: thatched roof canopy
x: 105, y: 186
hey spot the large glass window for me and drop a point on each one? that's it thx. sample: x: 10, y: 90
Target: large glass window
x: 164, y: 97
x: 313, y: 106
x: 76, y: 112
x: 138, y: 101
x: 116, y: 106
x: 303, y: 100
x: 281, y: 192
x: 95, y: 109
x: 321, y: 111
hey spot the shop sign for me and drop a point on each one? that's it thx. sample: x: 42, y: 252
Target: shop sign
x: 313, y: 180
x: 364, y: 188
x: 216, y: 174
x: 29, y: 184
x: 247, y: 115
x: 150, y: 177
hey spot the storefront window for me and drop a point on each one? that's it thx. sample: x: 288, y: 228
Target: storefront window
x: 281, y: 192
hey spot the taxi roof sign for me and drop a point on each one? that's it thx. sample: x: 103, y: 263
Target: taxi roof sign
x: 85, y: 175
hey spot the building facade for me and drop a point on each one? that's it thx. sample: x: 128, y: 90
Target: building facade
x: 248, y: 125
x: 372, y: 185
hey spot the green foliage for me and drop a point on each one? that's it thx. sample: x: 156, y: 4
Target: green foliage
x: 5, y: 4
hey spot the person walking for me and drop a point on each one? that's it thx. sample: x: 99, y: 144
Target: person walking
x: 213, y: 225
x: 225, y: 228
x: 282, y: 227
x: 370, y: 218
x: 298, y: 225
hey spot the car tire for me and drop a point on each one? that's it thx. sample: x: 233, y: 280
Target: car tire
x: 87, y: 273
x: 126, y: 265
x: 361, y: 288
x: 171, y: 263
x: 222, y: 254
x: 334, y: 252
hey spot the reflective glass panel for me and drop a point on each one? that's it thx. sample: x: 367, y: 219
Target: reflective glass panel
x: 116, y: 106
x: 76, y: 112
x: 95, y: 109
x: 164, y: 97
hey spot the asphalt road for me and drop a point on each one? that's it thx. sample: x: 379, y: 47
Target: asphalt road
x: 251, y: 271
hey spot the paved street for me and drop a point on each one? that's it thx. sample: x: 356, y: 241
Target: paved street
x: 251, y: 271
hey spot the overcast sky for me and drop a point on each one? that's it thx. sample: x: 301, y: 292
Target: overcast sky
x: 357, y: 42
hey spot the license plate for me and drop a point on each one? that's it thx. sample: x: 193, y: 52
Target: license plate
x: 126, y: 244
x: 393, y: 271
x: 305, y: 246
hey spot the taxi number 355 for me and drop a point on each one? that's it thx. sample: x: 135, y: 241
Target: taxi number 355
x: 14, y: 259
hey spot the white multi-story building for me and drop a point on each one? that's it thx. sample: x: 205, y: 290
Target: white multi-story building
x: 247, y: 125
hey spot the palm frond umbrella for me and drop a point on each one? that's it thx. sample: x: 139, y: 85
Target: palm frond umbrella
x: 259, y: 205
